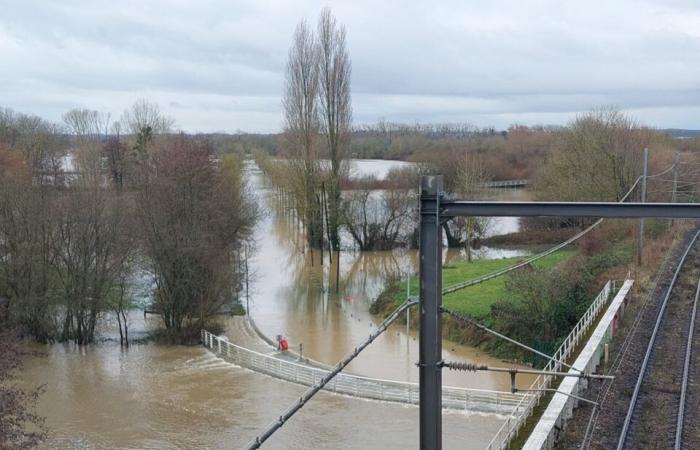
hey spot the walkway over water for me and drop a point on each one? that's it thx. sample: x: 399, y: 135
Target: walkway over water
x: 475, y: 400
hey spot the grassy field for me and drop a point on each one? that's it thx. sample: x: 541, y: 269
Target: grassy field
x: 477, y: 300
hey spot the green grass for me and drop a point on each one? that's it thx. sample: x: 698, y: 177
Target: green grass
x: 476, y: 300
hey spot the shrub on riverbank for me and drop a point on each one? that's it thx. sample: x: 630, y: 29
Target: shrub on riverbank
x: 542, y: 306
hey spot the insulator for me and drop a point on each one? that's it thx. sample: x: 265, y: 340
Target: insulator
x: 463, y: 366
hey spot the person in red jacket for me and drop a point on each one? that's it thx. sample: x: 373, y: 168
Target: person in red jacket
x: 282, y: 343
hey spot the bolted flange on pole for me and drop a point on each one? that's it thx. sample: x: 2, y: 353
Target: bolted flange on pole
x: 430, y: 345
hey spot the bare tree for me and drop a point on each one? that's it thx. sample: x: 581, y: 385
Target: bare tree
x: 302, y: 127
x: 195, y: 214
x: 87, y: 125
x: 91, y: 244
x: 471, y: 176
x: 117, y: 160
x: 89, y: 128
x: 26, y: 229
x: 145, y: 115
x: 336, y: 108
x: 378, y: 220
x: 121, y: 302
x: 597, y: 158
x: 144, y: 121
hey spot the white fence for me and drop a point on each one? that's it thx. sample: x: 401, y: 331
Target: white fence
x: 522, y: 411
x: 561, y: 406
x: 478, y: 400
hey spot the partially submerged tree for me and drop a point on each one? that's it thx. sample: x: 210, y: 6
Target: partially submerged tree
x: 26, y: 230
x: 336, y: 109
x: 195, y: 214
x: 302, y: 128
x: 120, y: 301
x: 378, y: 220
x: 91, y: 244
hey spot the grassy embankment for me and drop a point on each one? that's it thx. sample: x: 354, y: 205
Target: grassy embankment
x: 476, y: 301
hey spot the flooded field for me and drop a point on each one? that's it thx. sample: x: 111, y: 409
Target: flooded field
x: 158, y: 397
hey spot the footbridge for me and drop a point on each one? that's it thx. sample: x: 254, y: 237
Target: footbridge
x: 309, y: 374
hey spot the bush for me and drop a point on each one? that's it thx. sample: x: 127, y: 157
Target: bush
x: 542, y: 305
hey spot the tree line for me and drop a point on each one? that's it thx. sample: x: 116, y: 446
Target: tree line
x: 87, y: 203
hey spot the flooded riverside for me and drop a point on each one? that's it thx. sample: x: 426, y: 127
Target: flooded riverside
x: 294, y: 299
x: 156, y: 397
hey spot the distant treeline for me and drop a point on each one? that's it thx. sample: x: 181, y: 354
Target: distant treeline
x: 508, y: 154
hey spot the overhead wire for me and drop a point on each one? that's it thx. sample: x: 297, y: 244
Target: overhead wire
x: 474, y: 281
x: 313, y: 390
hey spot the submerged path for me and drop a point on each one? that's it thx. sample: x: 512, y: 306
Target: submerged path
x: 254, y: 353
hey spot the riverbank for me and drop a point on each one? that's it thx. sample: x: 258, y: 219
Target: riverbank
x: 476, y: 300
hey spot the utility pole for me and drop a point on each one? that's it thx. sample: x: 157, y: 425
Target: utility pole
x: 640, y: 247
x: 430, y: 348
x: 675, y: 178
x: 408, y: 310
x: 247, y: 296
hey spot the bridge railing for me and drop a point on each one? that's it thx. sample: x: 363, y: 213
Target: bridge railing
x: 524, y: 409
x: 504, y: 184
x: 480, y: 400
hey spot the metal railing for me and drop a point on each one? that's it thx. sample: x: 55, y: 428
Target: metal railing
x: 504, y: 183
x: 522, y: 411
x: 478, y: 400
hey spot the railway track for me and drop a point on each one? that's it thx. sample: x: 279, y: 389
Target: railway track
x: 665, y: 399
x: 688, y: 434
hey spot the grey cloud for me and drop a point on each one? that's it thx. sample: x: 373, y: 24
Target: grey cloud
x: 485, y: 63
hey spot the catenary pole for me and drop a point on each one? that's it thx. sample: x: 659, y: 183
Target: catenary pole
x: 430, y: 348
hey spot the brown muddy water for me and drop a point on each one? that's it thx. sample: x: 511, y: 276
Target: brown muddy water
x: 160, y: 397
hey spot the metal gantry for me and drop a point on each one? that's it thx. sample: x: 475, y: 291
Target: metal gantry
x: 434, y: 210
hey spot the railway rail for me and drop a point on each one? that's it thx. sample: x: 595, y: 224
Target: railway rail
x: 657, y: 360
x: 661, y: 403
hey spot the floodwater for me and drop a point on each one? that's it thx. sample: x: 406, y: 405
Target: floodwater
x: 159, y: 397
x: 290, y: 297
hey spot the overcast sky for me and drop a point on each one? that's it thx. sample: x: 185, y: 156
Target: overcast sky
x: 219, y: 65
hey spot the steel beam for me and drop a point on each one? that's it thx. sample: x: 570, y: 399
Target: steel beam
x: 454, y: 208
x: 430, y: 346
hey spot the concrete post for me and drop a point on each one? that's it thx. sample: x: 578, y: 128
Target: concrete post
x: 430, y: 370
